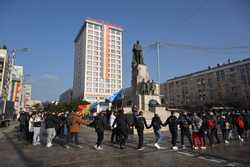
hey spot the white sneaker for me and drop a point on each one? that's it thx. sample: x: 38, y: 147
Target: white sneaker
x: 99, y: 148
x: 183, y: 147
x: 157, y: 145
x: 241, y: 139
x: 67, y: 146
x: 95, y: 146
x: 196, y: 148
x: 203, y: 147
x: 79, y: 146
x: 226, y: 142
x: 140, y: 149
x: 49, y: 145
x: 175, y: 148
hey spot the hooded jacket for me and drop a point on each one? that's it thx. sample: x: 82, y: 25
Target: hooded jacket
x: 75, y: 122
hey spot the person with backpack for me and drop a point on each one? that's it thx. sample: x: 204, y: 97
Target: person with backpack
x: 185, y: 122
x: 156, y: 124
x: 196, y: 125
x: 172, y: 122
x: 212, y: 128
x: 122, y: 125
x: 240, y: 125
x: 140, y: 122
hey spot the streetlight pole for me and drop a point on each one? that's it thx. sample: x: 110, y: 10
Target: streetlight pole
x: 158, y: 60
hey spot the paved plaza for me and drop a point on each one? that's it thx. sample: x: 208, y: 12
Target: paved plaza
x: 17, y: 153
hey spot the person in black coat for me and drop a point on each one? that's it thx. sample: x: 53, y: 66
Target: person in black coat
x: 51, y: 123
x: 156, y: 123
x: 184, y: 121
x: 172, y: 123
x: 122, y: 126
x: 99, y: 125
x: 140, y: 122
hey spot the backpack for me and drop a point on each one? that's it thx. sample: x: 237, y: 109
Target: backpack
x: 240, y: 122
x: 210, y: 124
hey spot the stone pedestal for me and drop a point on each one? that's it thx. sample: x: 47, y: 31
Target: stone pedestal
x: 144, y: 100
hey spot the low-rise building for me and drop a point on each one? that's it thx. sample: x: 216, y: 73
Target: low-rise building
x: 225, y: 85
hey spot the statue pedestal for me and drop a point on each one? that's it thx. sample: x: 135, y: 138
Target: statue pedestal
x: 143, y: 101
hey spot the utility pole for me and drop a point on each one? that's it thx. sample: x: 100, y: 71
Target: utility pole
x: 158, y: 60
x: 156, y: 45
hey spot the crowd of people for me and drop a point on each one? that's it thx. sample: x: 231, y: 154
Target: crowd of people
x: 202, y: 129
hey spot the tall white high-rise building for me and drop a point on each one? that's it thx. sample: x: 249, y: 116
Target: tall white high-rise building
x: 27, y: 94
x: 98, y: 60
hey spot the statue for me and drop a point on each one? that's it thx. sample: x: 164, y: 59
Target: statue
x: 143, y: 89
x: 137, y: 54
x: 152, y: 88
x: 148, y: 88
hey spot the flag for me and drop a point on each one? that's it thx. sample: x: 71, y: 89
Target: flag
x: 118, y: 95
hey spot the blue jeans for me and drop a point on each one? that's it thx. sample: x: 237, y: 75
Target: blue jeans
x: 157, y: 136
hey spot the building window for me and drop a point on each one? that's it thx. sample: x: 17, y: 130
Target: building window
x: 218, y: 75
x: 96, y: 27
x: 90, y: 25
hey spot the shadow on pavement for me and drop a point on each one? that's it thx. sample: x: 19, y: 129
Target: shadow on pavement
x: 27, y: 162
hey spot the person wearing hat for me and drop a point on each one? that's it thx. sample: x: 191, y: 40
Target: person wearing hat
x: 140, y: 122
x: 172, y: 122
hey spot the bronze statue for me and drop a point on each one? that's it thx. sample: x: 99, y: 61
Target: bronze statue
x: 143, y: 88
x: 137, y: 54
x: 152, y: 87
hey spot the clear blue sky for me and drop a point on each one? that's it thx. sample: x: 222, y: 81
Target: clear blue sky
x: 48, y: 28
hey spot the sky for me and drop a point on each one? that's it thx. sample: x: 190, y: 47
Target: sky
x: 48, y: 29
